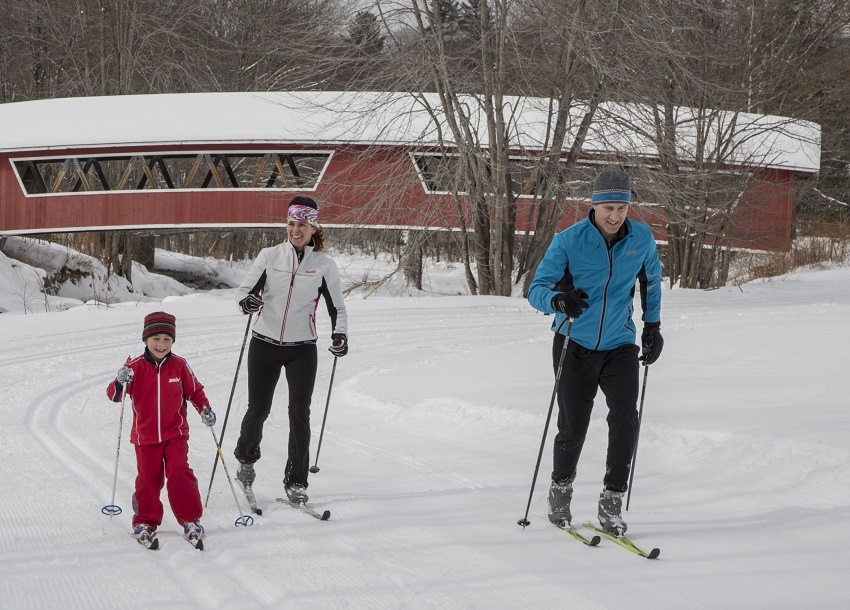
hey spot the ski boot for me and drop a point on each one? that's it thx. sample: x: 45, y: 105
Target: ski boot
x: 193, y: 532
x: 295, y: 493
x: 146, y: 536
x: 610, y: 512
x: 560, y: 496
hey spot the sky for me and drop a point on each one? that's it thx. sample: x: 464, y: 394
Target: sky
x: 433, y: 428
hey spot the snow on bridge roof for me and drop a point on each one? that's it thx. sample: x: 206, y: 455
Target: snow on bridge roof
x: 373, y: 118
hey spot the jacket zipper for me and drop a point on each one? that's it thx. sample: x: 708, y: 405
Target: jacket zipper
x: 605, y: 299
x: 295, y: 265
x: 158, y: 404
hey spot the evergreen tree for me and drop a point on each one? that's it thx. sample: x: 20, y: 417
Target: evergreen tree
x: 364, y: 32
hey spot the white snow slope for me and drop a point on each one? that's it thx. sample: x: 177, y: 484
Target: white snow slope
x: 433, y: 430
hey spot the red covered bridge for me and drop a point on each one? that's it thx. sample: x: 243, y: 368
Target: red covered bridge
x: 370, y: 159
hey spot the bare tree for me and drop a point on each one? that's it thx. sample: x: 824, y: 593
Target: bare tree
x: 716, y: 58
x: 57, y: 48
x: 694, y: 90
x: 473, y: 57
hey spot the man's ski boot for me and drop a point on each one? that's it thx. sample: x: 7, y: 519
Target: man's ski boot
x: 560, y: 496
x: 610, y: 512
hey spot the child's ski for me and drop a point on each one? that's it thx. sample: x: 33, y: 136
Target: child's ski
x: 149, y: 542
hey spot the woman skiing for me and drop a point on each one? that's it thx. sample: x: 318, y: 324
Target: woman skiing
x: 283, y: 287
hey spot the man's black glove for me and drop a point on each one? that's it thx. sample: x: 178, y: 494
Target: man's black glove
x: 251, y: 304
x: 651, y: 343
x: 571, y: 302
x: 339, y: 344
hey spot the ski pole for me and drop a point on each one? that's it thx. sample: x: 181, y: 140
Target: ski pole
x: 315, y: 468
x: 637, y: 438
x: 112, y: 508
x: 229, y: 402
x: 524, y: 521
x: 243, y: 519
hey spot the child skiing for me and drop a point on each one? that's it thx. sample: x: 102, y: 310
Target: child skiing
x: 159, y: 383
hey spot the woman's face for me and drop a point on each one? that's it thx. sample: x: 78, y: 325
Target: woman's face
x: 299, y: 233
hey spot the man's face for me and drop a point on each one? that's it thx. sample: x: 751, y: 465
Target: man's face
x: 609, y: 217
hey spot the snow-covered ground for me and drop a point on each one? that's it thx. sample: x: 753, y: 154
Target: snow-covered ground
x: 433, y: 429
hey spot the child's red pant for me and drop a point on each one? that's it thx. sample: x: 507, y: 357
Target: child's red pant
x: 156, y: 464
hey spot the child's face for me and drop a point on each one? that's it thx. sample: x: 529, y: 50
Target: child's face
x: 159, y: 345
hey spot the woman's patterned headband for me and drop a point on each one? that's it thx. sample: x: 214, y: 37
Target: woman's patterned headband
x: 305, y: 214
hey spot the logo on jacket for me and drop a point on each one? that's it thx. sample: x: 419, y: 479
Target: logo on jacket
x: 174, y: 380
x: 310, y: 272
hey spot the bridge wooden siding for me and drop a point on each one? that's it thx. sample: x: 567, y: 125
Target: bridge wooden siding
x: 363, y: 184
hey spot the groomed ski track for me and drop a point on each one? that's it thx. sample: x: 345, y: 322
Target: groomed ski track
x: 426, y: 464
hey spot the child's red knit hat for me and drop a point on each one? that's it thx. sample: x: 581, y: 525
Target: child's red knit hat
x: 159, y: 322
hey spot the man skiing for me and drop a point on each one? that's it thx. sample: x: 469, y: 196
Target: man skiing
x: 587, y: 278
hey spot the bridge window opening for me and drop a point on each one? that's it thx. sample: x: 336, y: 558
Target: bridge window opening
x: 172, y: 171
x: 445, y: 174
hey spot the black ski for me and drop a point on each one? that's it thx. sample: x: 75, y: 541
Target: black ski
x: 592, y: 541
x: 305, y: 508
x: 624, y: 542
x: 195, y: 541
x: 149, y: 542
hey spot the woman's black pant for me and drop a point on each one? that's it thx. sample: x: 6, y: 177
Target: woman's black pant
x: 616, y: 373
x: 265, y: 361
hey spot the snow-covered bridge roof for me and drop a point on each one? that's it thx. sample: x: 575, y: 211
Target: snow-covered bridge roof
x: 372, y: 118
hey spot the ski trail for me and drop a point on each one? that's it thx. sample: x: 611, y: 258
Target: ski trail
x: 51, y: 419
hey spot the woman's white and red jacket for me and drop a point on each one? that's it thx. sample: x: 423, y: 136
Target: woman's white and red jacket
x: 290, y: 291
x: 159, y: 392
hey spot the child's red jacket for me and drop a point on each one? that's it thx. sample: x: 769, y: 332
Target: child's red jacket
x: 159, y: 393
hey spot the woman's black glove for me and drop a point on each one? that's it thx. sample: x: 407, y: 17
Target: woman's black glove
x: 339, y: 344
x: 251, y: 304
